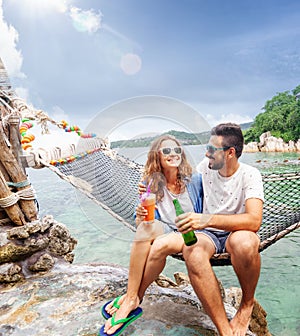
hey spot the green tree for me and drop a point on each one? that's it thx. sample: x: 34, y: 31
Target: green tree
x: 281, y: 117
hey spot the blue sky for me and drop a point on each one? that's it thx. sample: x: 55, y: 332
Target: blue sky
x: 76, y: 59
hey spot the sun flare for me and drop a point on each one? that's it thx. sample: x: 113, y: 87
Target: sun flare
x: 45, y: 6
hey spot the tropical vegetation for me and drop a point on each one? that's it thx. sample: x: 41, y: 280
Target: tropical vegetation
x: 281, y: 117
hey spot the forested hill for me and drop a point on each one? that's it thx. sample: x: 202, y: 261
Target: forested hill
x: 184, y: 137
x: 280, y: 116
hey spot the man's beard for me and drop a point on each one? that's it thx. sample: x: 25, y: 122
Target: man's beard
x: 215, y: 166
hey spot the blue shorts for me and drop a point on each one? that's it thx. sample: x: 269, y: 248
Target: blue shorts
x: 218, y: 238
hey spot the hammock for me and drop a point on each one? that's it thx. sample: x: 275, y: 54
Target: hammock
x: 111, y: 180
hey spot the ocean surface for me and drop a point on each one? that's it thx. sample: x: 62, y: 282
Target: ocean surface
x: 101, y: 238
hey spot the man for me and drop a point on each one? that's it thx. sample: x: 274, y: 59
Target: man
x: 232, y: 214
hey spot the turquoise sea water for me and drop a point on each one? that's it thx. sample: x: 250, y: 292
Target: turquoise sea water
x: 101, y: 238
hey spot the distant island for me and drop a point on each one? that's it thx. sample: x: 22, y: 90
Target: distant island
x: 280, y: 119
x: 184, y: 137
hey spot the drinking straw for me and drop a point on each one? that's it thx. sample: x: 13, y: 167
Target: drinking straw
x: 148, y: 190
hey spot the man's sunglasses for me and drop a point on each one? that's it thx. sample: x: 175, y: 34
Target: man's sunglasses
x: 168, y: 150
x: 211, y: 149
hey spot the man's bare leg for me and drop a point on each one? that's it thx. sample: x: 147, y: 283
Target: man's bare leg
x: 245, y: 258
x: 205, y: 283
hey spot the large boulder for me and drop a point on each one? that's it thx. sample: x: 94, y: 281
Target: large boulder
x: 43, y: 294
x: 67, y: 300
x: 269, y: 143
x: 33, y: 247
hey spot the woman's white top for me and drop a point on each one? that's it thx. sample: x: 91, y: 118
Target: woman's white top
x: 166, y: 207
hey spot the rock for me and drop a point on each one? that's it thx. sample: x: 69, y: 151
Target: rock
x: 251, y: 147
x: 269, y: 143
x: 34, y: 247
x: 67, y: 301
x: 165, y: 282
x: 69, y: 257
x: 40, y: 262
x: 10, y: 273
x: 43, y: 294
x: 263, y: 137
x: 18, y: 233
x: 181, y: 279
x: 258, y: 323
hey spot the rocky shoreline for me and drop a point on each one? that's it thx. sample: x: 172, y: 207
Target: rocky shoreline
x: 43, y: 293
x: 67, y: 301
x: 269, y: 143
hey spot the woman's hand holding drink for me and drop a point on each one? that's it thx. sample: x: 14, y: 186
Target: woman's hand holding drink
x: 148, y: 201
x: 146, y: 208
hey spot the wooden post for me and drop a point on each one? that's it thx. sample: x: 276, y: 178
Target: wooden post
x: 13, y: 134
x: 14, y: 212
x: 17, y: 175
x: 15, y: 138
x: 11, y: 168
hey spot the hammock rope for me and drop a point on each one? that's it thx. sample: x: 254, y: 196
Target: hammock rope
x: 13, y: 198
x: 111, y: 181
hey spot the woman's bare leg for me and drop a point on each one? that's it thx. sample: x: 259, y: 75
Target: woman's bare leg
x: 161, y: 248
x: 138, y: 257
x: 141, y: 246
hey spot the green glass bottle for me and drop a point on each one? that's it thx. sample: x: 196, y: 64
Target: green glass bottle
x: 189, y: 237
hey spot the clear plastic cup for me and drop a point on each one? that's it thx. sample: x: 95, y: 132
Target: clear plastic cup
x: 148, y: 201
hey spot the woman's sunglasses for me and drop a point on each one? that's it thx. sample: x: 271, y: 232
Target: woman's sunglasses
x: 168, y: 150
x: 212, y: 149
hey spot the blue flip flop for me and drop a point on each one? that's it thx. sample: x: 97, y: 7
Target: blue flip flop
x: 115, y: 301
x: 133, y: 315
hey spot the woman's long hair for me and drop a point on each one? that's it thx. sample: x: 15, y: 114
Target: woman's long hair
x: 153, y: 171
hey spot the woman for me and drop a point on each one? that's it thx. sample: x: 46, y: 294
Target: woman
x: 170, y: 177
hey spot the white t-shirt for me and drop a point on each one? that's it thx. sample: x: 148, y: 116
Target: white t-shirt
x: 166, y: 207
x: 227, y: 195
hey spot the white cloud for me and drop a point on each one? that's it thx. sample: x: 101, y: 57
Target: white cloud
x: 11, y: 57
x: 141, y: 115
x: 231, y: 117
x: 22, y: 93
x: 59, y: 114
x: 85, y: 21
x: 235, y: 111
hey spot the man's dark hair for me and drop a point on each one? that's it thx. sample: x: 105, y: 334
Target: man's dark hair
x: 232, y: 136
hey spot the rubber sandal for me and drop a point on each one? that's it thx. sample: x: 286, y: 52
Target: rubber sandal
x: 133, y: 315
x: 115, y: 301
